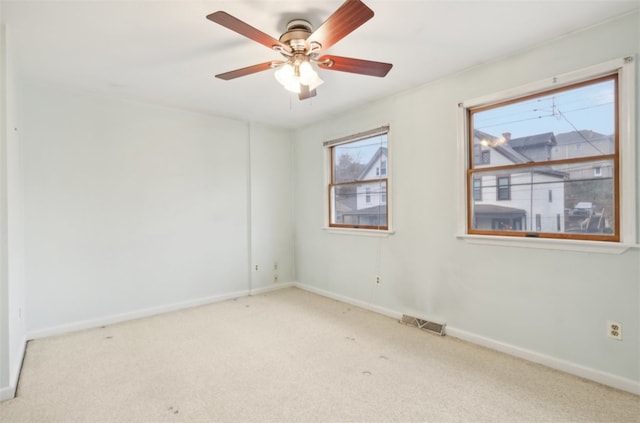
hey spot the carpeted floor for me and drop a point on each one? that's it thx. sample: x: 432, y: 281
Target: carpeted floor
x: 292, y: 356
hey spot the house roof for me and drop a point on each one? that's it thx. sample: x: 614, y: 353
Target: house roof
x: 511, y: 154
x: 585, y: 135
x: 514, y: 155
x: 381, y: 151
x: 346, y: 204
x: 533, y: 141
x: 517, y: 157
x: 499, y: 145
x: 494, y: 210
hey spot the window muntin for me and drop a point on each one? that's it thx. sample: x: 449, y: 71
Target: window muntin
x: 544, y: 149
x: 358, y: 189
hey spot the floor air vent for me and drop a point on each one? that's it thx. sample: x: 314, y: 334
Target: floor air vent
x: 437, y: 328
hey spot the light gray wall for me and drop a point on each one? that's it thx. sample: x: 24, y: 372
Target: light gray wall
x: 553, y: 303
x: 12, y: 284
x: 271, y: 206
x: 132, y: 207
x: 4, y: 319
x: 15, y: 222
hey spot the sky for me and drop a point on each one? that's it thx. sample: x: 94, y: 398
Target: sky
x: 362, y: 151
x: 590, y: 107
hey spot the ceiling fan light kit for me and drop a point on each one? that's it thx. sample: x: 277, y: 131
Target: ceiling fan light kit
x: 293, y: 75
x: 301, y: 47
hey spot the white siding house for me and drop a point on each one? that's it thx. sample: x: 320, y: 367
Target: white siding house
x: 520, y: 200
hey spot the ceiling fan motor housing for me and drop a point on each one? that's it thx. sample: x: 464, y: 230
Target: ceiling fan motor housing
x: 298, y: 30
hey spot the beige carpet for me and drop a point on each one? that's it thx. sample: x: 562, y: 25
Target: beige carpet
x: 292, y: 356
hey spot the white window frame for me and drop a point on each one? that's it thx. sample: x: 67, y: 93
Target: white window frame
x: 327, y: 180
x: 627, y: 163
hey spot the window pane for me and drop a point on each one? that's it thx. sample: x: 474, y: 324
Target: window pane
x: 504, y: 188
x: 563, y: 198
x: 360, y: 160
x: 577, y: 122
x: 360, y: 204
x: 477, y: 189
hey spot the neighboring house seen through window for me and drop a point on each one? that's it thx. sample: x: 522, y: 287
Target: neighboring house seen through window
x: 554, y: 161
x: 358, y: 186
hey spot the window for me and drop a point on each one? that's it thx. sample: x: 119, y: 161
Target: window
x: 555, y: 158
x: 382, y: 170
x: 358, y: 184
x: 597, y: 171
x: 504, y: 188
x: 477, y: 189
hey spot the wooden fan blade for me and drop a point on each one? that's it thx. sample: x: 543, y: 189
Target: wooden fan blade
x: 348, y: 64
x: 242, y: 28
x: 245, y: 71
x: 345, y: 20
x: 305, y: 93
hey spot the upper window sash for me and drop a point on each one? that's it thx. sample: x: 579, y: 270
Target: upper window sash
x: 564, y: 133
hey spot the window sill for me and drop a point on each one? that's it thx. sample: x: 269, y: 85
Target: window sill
x: 360, y: 232
x: 550, y: 244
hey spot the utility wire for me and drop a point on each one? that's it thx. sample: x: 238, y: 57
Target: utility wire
x: 579, y: 132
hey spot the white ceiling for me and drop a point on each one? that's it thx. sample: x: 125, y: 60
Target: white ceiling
x: 166, y: 52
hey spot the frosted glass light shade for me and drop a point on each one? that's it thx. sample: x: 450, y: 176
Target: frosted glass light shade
x: 291, y: 78
x: 307, y: 74
x: 285, y: 75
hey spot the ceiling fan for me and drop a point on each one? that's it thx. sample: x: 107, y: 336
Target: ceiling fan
x: 301, y: 46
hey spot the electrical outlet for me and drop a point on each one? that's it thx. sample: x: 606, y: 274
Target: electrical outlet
x: 378, y: 281
x: 614, y: 330
x: 275, y: 278
x: 275, y: 265
x: 256, y: 267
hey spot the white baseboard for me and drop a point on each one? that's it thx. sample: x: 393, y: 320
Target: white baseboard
x: 9, y: 392
x: 117, y: 318
x: 604, y: 378
x: 269, y: 288
x: 362, y: 304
